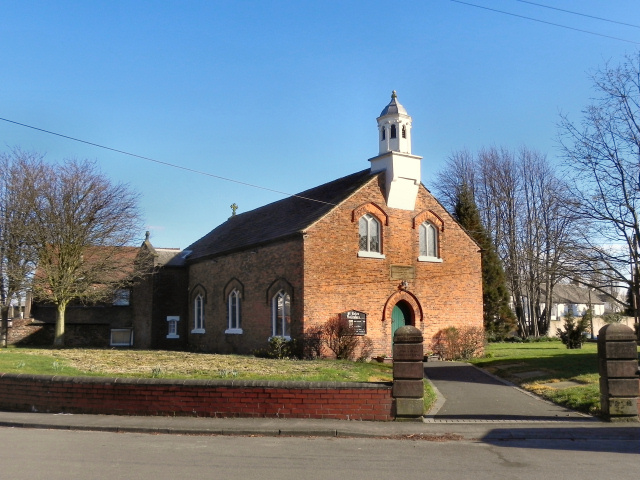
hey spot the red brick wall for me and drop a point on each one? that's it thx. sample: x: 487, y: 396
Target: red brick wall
x: 205, y: 398
x: 256, y: 270
x: 337, y: 280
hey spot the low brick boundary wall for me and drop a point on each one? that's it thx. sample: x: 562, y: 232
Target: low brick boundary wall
x: 202, y: 398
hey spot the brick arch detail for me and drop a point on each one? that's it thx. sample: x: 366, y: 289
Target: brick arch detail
x: 407, y: 297
x: 198, y: 289
x: 232, y: 284
x: 371, y: 208
x: 428, y: 215
x: 277, y: 285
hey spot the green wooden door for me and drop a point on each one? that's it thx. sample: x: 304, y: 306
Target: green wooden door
x: 399, y: 319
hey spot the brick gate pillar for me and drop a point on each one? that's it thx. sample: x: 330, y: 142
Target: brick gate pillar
x: 408, y: 373
x: 618, y: 367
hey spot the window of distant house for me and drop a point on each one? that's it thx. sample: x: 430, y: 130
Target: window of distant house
x: 428, y: 243
x: 198, y: 314
x: 369, y: 237
x: 172, y: 327
x: 281, y: 315
x: 234, y: 313
x: 121, y: 337
x: 121, y: 297
x: 393, y: 131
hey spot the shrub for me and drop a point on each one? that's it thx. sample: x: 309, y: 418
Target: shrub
x: 574, y: 329
x: 366, y: 349
x: 612, y: 317
x: 459, y: 344
x: 340, y: 338
x: 312, y: 342
x: 279, y: 348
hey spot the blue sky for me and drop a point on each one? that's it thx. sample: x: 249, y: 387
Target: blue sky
x: 284, y: 94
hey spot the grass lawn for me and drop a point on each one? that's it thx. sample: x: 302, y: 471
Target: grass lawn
x: 165, y: 364
x: 549, y: 369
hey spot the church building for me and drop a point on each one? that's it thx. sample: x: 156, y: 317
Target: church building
x: 374, y: 247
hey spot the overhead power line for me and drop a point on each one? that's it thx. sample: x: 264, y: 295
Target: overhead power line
x: 160, y: 162
x: 545, y: 22
x: 578, y: 13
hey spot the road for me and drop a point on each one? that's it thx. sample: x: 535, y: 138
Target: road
x: 60, y: 454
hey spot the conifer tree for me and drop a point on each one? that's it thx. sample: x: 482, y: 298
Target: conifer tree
x: 499, y: 320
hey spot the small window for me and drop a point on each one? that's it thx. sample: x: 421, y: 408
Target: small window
x: 198, y: 315
x: 234, y: 313
x: 428, y: 242
x: 393, y: 131
x: 121, y: 337
x: 383, y: 133
x: 281, y: 315
x: 172, y: 327
x: 404, y: 131
x: 122, y: 297
x: 369, y: 236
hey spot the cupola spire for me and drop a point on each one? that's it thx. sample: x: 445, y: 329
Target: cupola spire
x: 402, y: 169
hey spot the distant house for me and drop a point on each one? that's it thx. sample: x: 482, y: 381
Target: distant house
x: 374, y: 247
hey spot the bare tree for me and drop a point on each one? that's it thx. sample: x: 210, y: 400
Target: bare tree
x: 523, y: 206
x: 21, y: 176
x: 603, y: 157
x: 83, y: 224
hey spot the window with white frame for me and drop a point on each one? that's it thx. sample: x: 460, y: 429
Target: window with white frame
x: 121, y: 337
x: 281, y: 315
x: 428, y: 234
x: 234, y: 313
x: 172, y: 327
x: 369, y: 236
x: 198, y: 314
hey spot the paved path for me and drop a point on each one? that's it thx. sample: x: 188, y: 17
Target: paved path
x: 467, y: 393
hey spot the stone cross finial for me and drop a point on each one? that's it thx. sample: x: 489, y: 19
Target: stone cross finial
x: 234, y: 207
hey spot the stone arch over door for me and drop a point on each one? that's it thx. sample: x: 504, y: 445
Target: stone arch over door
x: 410, y: 307
x: 410, y: 300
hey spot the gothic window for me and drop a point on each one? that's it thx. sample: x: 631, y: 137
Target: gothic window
x: 369, y: 233
x: 428, y: 240
x: 393, y: 131
x: 234, y: 312
x: 281, y: 315
x: 198, y: 314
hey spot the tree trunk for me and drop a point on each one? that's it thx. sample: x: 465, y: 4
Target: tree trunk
x: 4, y: 325
x: 58, y: 340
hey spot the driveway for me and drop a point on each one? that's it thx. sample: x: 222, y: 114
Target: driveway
x: 468, y: 393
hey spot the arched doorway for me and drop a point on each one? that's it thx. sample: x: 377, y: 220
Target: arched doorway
x: 401, y: 315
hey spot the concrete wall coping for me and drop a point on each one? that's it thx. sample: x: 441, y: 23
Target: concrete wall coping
x: 198, y: 383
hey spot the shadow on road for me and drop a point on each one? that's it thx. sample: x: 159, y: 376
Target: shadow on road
x: 584, y: 439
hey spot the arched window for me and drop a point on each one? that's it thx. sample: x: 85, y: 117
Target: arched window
x: 281, y: 315
x: 428, y: 240
x: 404, y: 131
x: 198, y: 314
x: 234, y: 314
x: 369, y: 232
x: 393, y: 131
x: 383, y: 133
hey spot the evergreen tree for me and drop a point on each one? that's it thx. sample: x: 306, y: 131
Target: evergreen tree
x: 499, y: 320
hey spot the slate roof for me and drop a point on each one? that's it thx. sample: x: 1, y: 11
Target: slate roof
x: 277, y: 220
x: 575, y: 294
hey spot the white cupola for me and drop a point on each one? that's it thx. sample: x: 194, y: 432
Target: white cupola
x: 402, y: 169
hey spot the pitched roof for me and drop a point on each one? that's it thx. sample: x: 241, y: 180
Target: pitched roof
x: 576, y: 294
x: 277, y: 220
